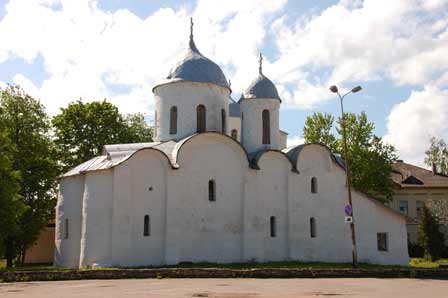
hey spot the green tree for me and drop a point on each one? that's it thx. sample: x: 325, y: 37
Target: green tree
x: 136, y: 129
x: 33, y: 158
x: 11, y: 206
x: 82, y: 129
x: 437, y: 155
x: 370, y: 159
x: 429, y: 235
x: 318, y: 129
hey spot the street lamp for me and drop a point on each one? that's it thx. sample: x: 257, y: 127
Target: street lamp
x: 334, y: 89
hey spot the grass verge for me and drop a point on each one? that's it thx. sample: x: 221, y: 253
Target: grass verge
x: 414, y: 263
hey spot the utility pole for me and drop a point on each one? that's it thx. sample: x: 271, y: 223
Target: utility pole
x: 334, y: 89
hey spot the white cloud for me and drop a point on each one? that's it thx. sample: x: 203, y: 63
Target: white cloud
x: 90, y: 53
x: 411, y: 123
x: 294, y: 141
x: 403, y: 41
x: 95, y: 54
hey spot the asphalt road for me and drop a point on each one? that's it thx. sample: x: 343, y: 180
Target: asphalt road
x: 230, y: 288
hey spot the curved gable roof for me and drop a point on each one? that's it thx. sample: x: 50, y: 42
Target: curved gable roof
x: 294, y: 154
x: 184, y: 141
x: 255, y: 157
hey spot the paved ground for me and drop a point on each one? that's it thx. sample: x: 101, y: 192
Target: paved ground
x: 230, y: 288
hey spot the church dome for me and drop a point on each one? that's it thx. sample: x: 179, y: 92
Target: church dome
x: 195, y: 67
x: 261, y: 87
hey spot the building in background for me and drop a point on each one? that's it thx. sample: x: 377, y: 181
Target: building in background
x: 415, y: 187
x: 42, y: 251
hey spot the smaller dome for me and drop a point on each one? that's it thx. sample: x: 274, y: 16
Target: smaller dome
x: 261, y: 87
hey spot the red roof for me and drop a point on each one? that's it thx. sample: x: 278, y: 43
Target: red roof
x: 409, y: 176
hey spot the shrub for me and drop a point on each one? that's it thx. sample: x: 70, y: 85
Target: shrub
x: 429, y: 235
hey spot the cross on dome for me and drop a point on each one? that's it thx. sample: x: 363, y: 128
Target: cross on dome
x: 260, y: 61
x: 191, y: 28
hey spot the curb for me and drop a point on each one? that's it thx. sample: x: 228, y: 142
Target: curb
x: 22, y: 276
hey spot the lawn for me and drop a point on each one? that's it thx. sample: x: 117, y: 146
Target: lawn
x: 422, y: 263
x: 414, y: 263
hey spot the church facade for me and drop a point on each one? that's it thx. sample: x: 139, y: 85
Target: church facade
x: 217, y: 185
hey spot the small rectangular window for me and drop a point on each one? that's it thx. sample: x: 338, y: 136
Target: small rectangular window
x: 382, y: 241
x: 312, y: 227
x: 66, y: 229
x: 211, y: 190
x: 273, y: 224
x: 146, y: 226
x: 314, y: 185
x: 404, y: 207
x: 418, y: 208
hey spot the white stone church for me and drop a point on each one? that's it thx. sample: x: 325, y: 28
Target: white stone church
x: 217, y: 185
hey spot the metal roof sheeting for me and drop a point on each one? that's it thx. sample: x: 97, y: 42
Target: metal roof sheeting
x: 195, y: 67
x: 261, y: 87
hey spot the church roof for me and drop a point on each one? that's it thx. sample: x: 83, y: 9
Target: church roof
x: 261, y: 87
x: 195, y: 67
x: 294, y: 152
x: 113, y: 155
x: 234, y: 109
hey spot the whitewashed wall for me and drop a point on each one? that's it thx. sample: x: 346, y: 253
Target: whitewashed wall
x: 96, y: 237
x: 69, y: 206
x: 198, y: 229
x: 283, y: 138
x: 252, y: 123
x: 187, y: 96
x: 186, y: 226
x: 333, y: 238
x: 267, y: 195
x: 235, y: 123
x: 140, y: 186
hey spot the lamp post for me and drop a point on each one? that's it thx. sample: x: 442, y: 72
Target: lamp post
x: 334, y: 89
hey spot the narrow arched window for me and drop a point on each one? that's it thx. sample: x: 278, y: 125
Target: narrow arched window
x: 273, y: 225
x: 266, y: 127
x: 200, y: 118
x: 173, y: 120
x: 234, y: 134
x: 66, y: 229
x: 146, y: 226
x: 211, y: 190
x: 223, y: 121
x: 314, y: 185
x: 312, y: 227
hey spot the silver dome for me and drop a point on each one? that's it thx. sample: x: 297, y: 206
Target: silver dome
x: 195, y: 67
x: 261, y: 87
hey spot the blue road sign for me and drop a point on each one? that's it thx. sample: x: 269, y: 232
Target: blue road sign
x: 348, y: 209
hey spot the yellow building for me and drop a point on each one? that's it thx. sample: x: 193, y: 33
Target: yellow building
x: 414, y: 187
x: 42, y: 251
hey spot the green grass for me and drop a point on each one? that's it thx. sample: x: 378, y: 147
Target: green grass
x: 414, y: 263
x: 422, y: 263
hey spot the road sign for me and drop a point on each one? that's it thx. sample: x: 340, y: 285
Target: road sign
x: 348, y: 209
x: 348, y: 219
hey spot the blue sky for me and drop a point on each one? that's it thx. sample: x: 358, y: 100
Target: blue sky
x: 62, y: 50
